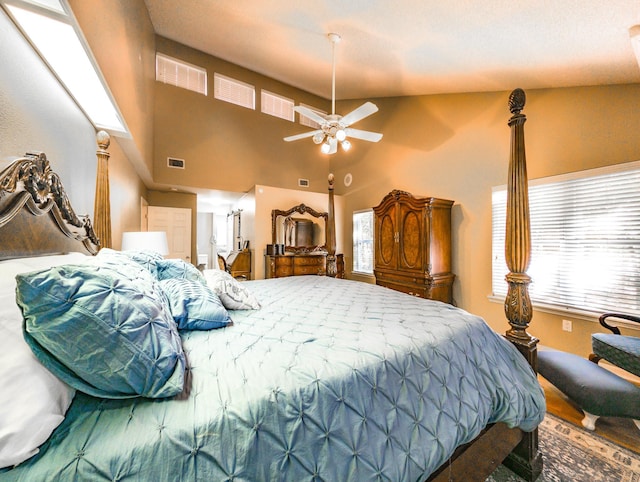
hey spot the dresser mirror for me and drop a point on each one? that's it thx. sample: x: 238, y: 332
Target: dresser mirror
x: 300, y: 229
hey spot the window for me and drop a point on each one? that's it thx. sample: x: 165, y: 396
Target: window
x: 363, y: 241
x: 585, y: 240
x: 181, y: 74
x: 234, y: 91
x: 277, y: 105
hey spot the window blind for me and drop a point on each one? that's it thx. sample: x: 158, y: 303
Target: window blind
x: 234, y: 91
x: 277, y: 105
x: 585, y: 240
x: 181, y: 74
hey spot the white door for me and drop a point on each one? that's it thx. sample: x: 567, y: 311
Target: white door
x: 176, y: 222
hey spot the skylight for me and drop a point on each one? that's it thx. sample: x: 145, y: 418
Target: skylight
x: 52, y: 32
x: 50, y: 4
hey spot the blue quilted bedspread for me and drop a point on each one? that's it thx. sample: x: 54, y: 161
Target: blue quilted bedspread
x: 331, y: 380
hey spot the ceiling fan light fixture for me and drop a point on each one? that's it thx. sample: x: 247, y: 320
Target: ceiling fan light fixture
x: 334, y: 37
x: 333, y: 129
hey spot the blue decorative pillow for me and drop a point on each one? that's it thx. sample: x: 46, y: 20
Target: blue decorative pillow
x: 177, y: 268
x: 106, y: 332
x: 146, y: 259
x: 193, y: 305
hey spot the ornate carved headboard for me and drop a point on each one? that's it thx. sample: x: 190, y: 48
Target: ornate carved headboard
x: 36, y: 217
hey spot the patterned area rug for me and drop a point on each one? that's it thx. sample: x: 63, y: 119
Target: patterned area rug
x: 571, y: 454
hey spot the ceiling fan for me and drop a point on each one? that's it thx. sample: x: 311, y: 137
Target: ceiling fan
x: 335, y: 128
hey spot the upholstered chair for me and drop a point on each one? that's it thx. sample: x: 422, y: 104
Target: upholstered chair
x: 622, y: 351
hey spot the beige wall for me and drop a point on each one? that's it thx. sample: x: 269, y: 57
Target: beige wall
x: 457, y: 147
x: 449, y: 146
x: 121, y: 37
x: 225, y: 146
x: 126, y: 190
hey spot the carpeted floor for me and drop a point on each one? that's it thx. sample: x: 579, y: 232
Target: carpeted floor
x: 572, y: 454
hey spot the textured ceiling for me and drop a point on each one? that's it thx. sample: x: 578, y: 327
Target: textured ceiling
x: 412, y: 47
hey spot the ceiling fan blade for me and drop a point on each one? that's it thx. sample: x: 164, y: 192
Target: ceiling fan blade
x: 364, y: 135
x: 360, y: 113
x: 311, y: 114
x: 302, y: 136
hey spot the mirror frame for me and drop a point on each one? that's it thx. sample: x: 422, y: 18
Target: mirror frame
x: 300, y: 209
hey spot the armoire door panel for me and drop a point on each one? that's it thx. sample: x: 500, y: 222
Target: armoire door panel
x: 387, y: 246
x: 409, y: 238
x: 387, y: 241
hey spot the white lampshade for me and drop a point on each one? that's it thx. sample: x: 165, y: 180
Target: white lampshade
x: 146, y: 240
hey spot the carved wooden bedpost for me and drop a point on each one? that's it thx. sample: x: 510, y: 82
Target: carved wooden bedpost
x: 102, y: 203
x: 525, y: 460
x: 517, y: 305
x: 332, y: 269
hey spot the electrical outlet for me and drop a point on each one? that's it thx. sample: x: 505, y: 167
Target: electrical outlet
x: 567, y: 325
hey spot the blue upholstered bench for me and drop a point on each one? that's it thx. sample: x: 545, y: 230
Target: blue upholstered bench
x: 597, y: 391
x: 622, y: 351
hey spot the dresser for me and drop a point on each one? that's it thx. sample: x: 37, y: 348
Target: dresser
x: 239, y: 264
x: 278, y: 266
x: 413, y: 245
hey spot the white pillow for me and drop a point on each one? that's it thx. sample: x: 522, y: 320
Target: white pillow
x: 233, y: 295
x: 33, y: 401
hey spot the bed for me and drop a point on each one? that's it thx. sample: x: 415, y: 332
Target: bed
x: 359, y: 382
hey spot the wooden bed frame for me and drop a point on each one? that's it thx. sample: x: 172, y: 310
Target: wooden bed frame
x: 36, y: 218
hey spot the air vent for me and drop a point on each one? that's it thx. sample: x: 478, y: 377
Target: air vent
x: 234, y: 91
x: 181, y: 74
x: 303, y: 182
x: 305, y: 121
x: 276, y: 105
x: 175, y: 163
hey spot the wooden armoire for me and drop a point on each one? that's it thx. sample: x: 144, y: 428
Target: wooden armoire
x: 413, y: 245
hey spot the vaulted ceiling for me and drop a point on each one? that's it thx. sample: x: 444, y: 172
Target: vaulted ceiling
x: 413, y: 47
